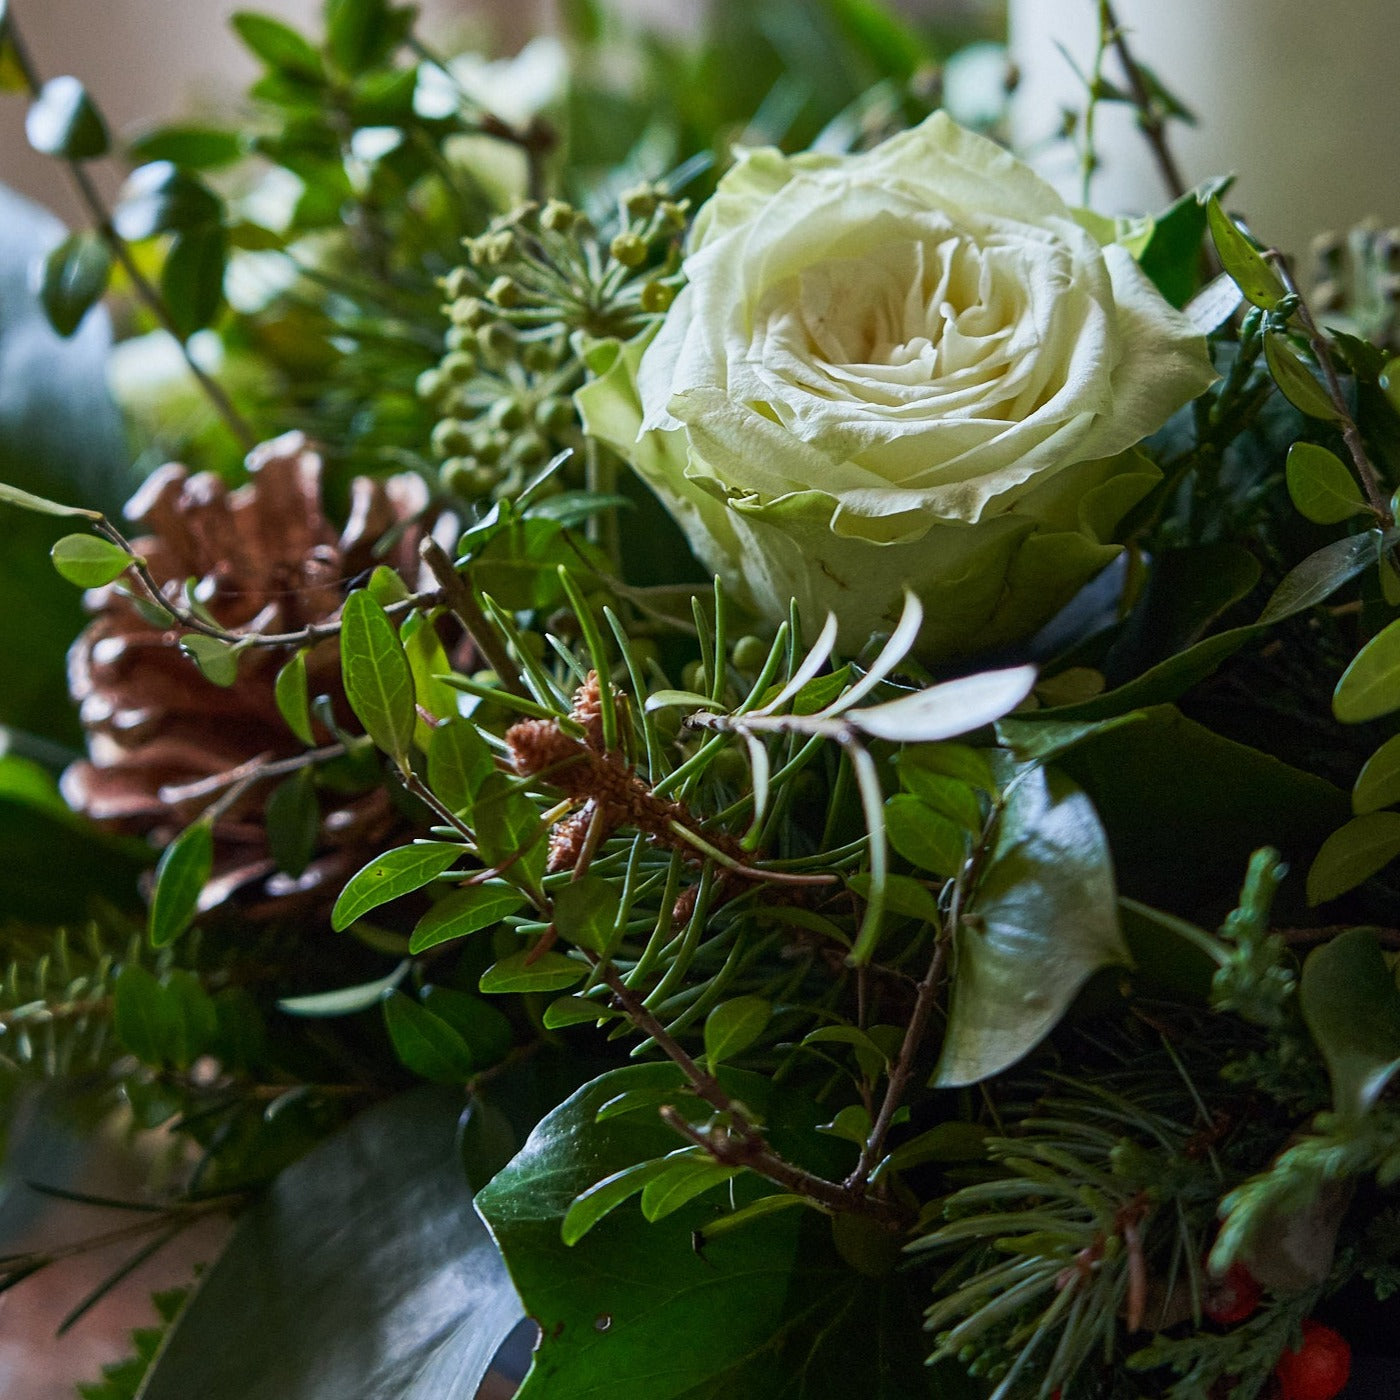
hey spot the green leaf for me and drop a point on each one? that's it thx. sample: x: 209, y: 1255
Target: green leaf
x: 1239, y: 257
x: 1370, y: 686
x: 26, y: 500
x: 733, y: 1026
x: 378, y: 682
x: 1296, y: 381
x: 356, y: 32
x: 1321, y: 486
x: 89, y: 561
x: 596, y: 1203
x: 293, y: 698
x: 1321, y: 574
x: 163, y: 1022
x: 952, y: 761
x: 505, y: 821
x: 949, y: 797
x: 575, y: 1011
x: 181, y: 874
x: 948, y: 710
x: 550, y: 972
x: 293, y: 822
x: 1352, y: 854
x: 397, y: 872
x: 766, y: 1307
x: 62, y: 121
x: 1378, y: 783
x: 279, y: 46
x: 161, y: 198
x: 138, y: 1013
x: 459, y: 761
x: 486, y: 1030
x: 903, y: 895
x: 923, y: 837
x: 194, y: 147
x: 1172, y: 256
x: 1350, y: 1002
x: 427, y: 660
x: 685, y: 1178
x: 217, y: 660
x: 465, y: 911
x: 425, y: 1043
x: 404, y: 1299
x: 192, y: 278
x: 1046, y: 920
x: 585, y: 913
x: 344, y: 1001
x: 73, y: 279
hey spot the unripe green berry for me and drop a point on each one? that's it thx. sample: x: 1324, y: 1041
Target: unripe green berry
x: 729, y: 767
x: 505, y: 292
x: 493, y: 249
x: 539, y: 356
x: 466, y: 477
x: 488, y: 446
x: 657, y: 297
x: 507, y: 414
x: 639, y: 202
x: 554, y: 415
x: 694, y: 677
x: 676, y: 212
x: 750, y: 653
x: 451, y: 438
x: 629, y: 249
x: 529, y: 449
x: 459, y: 337
x: 495, y: 341
x: 558, y: 217
x: 467, y: 311
x: 458, y: 367
x: 457, y: 283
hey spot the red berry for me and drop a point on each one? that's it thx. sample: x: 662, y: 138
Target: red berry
x: 1318, y: 1370
x: 1233, y: 1297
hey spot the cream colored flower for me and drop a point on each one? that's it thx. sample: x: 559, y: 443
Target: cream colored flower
x: 911, y: 367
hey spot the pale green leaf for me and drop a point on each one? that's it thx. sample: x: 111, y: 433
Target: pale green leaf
x: 1370, y: 686
x: 1353, y: 854
x: 1321, y: 486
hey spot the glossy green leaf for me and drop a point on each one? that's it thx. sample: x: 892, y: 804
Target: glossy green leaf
x: 1350, y: 1002
x: 767, y: 1307
x: 458, y: 763
x: 73, y: 279
x: 923, y: 837
x: 89, y: 561
x: 293, y: 822
x: 181, y: 873
x: 1378, y: 783
x: 344, y: 1001
x: 161, y: 198
x: 1296, y: 381
x: 362, y: 1274
x: 575, y: 1011
x: 1046, y: 919
x: 851, y: 1123
x: 596, y: 1203
x: 1239, y: 257
x: 585, y: 913
x: 194, y: 147
x: 1321, y: 486
x: 1321, y: 574
x: 397, y: 872
x: 1370, y: 686
x: 192, y: 277
x: 425, y: 1043
x: 62, y: 121
x: 278, y: 45
x: 465, y: 911
x: 945, y: 711
x: 293, y: 698
x: 217, y: 660
x: 378, y: 682
x: 949, y: 797
x: 685, y: 1178
x: 733, y: 1026
x: 1352, y: 854
x: 550, y: 972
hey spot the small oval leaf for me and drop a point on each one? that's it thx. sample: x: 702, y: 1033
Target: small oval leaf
x: 73, y: 278
x: 395, y: 873
x: 463, y: 912
x: 1350, y: 856
x: 1370, y: 686
x: 425, y: 1043
x: 1321, y: 486
x: 551, y: 972
x: 89, y: 561
x: 733, y: 1026
x: 181, y: 873
x: 378, y: 682
x: 344, y: 1001
x: 1296, y: 381
x: 1242, y: 260
x: 62, y: 121
x: 1378, y: 783
x: 1321, y: 574
x: 923, y: 837
x: 293, y: 698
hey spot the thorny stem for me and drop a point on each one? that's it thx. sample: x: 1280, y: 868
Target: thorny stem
x: 742, y: 1144
x: 1149, y: 118
x: 150, y: 297
x: 457, y: 594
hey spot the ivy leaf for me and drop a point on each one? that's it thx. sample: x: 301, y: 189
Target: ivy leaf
x: 62, y: 121
x: 181, y: 874
x: 1242, y: 260
x: 1351, y: 855
x: 88, y: 561
x: 733, y: 1026
x: 404, y: 1299
x: 1350, y: 1002
x: 378, y: 682
x: 397, y: 872
x: 1370, y: 686
x: 463, y: 912
x: 1321, y: 486
x: 73, y: 279
x: 1046, y: 918
x: 1296, y: 381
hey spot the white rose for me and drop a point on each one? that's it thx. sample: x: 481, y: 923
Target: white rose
x: 911, y: 367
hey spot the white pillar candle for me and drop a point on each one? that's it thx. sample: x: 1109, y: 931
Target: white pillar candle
x: 1299, y: 98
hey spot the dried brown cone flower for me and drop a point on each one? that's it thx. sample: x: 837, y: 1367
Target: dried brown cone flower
x: 161, y: 738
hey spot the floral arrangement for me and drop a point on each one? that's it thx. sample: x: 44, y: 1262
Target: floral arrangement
x: 737, y: 732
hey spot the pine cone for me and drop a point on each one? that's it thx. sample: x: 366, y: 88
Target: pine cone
x: 160, y: 736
